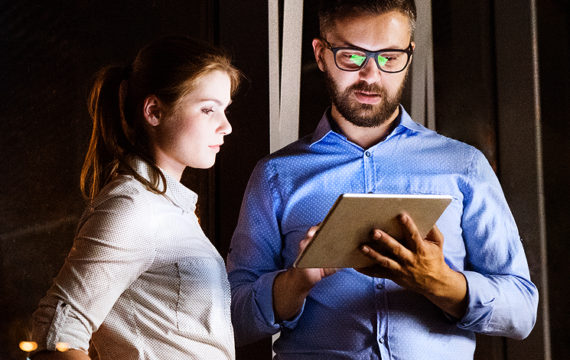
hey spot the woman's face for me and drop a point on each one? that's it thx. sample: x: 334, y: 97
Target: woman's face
x: 194, y: 133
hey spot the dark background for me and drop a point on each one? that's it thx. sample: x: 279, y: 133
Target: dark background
x: 50, y: 50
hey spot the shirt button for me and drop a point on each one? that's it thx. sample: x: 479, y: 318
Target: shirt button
x: 379, y: 286
x: 381, y: 340
x: 367, y: 153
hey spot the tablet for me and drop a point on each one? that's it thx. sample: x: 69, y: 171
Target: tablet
x: 352, y: 218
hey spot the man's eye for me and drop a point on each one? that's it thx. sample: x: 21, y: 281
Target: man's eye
x: 390, y: 57
x: 357, y: 59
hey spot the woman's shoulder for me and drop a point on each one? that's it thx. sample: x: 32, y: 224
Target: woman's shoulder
x: 123, y: 202
x: 121, y: 188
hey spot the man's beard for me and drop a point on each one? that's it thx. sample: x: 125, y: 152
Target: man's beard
x: 364, y: 115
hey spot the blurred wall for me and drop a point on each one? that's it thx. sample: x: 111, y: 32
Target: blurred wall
x: 554, y: 59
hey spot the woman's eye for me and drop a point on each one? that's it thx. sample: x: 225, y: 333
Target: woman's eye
x: 207, y: 110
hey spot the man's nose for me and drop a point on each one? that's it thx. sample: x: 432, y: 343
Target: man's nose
x: 370, y: 72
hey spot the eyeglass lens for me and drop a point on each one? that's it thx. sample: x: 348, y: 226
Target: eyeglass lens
x: 352, y: 59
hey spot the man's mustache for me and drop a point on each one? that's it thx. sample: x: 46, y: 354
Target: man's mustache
x: 364, y: 86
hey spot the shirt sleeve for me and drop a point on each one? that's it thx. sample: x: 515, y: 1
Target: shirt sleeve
x: 114, y: 244
x: 502, y: 299
x: 254, y: 260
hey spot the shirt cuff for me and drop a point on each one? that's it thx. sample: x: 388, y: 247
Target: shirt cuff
x: 480, y: 302
x: 59, y: 326
x: 263, y: 289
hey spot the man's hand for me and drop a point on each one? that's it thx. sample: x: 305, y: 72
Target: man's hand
x: 418, y: 264
x: 311, y: 276
x: 291, y: 287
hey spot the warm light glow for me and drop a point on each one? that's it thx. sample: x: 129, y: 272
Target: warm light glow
x: 61, y: 346
x: 28, y: 346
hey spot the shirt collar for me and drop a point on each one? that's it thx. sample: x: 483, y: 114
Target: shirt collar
x: 177, y: 193
x: 328, y: 126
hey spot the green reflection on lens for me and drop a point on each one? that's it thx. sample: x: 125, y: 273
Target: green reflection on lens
x: 357, y: 59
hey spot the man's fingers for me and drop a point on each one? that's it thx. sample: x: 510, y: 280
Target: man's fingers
x: 435, y: 236
x: 381, y: 260
x: 390, y: 247
x: 412, y: 236
x: 312, y: 230
x: 308, y: 237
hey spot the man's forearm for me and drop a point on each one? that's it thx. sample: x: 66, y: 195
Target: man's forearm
x: 288, y: 295
x: 290, y: 289
x: 449, y: 293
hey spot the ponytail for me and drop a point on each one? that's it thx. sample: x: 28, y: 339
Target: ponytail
x: 113, y: 138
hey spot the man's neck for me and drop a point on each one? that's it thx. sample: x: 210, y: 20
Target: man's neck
x: 365, y: 137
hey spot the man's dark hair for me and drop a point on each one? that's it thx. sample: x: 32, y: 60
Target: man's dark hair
x: 332, y: 10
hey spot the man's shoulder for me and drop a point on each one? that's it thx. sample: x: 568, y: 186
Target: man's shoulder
x: 435, y: 149
x: 286, y: 162
x: 434, y: 139
x: 289, y: 152
x: 452, y: 143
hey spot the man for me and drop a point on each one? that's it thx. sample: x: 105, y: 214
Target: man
x: 426, y: 297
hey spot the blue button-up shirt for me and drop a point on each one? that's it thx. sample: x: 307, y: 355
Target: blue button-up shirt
x: 353, y: 316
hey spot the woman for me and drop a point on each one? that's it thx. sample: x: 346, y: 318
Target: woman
x: 142, y: 281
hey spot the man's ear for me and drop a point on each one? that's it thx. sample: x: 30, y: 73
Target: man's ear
x: 318, y: 49
x: 413, y: 48
x: 152, y: 111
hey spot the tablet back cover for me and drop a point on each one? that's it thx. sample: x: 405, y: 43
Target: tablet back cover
x: 352, y: 218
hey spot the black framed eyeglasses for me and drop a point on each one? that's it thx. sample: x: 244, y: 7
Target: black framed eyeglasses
x: 354, y: 59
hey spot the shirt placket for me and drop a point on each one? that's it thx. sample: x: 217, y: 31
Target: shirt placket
x: 379, y: 283
x: 381, y: 300
x: 368, y: 159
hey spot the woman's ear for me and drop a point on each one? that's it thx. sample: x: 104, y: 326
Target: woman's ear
x: 152, y: 111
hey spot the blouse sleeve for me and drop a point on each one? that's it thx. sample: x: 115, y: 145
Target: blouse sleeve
x: 114, y: 244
